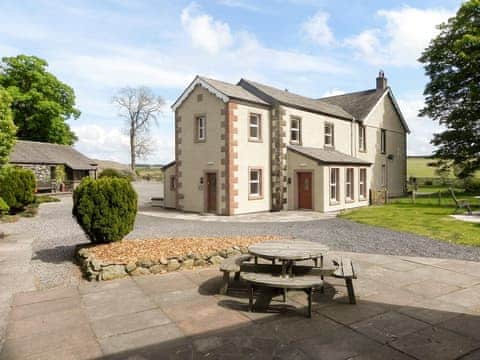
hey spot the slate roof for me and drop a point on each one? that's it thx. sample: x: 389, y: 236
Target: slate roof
x: 299, y: 101
x: 359, y: 104
x: 233, y: 91
x: 328, y: 156
x: 33, y: 152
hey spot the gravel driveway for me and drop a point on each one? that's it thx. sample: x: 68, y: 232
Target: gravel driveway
x: 55, y: 234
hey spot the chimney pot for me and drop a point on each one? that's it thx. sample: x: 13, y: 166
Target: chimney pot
x: 381, y: 81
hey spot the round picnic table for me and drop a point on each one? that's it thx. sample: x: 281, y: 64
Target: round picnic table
x: 289, y: 251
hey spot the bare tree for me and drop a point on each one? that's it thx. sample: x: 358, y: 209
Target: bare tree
x: 140, y: 108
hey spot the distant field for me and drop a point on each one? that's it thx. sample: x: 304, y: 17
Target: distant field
x: 150, y: 173
x: 418, y: 167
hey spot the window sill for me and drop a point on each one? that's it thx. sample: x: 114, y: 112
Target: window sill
x: 199, y: 141
x: 255, y: 140
x: 349, y: 201
x: 363, y: 199
x: 333, y: 203
x: 255, y: 197
x: 362, y: 151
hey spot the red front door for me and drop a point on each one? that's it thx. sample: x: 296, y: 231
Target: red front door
x: 304, y: 184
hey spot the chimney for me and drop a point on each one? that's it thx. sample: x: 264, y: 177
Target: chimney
x: 381, y: 81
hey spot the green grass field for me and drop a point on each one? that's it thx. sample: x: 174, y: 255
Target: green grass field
x: 418, y: 167
x: 426, y: 217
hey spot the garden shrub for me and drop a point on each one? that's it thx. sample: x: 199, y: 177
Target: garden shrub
x: 4, y: 208
x: 114, y: 173
x: 472, y: 186
x: 105, y: 208
x: 17, y: 187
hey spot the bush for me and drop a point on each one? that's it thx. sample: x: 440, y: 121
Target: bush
x: 4, y: 208
x: 472, y: 186
x: 17, y: 187
x: 105, y: 208
x: 114, y: 173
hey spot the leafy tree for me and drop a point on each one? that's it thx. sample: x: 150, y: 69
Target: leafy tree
x: 7, y: 127
x: 41, y: 104
x: 452, y: 61
x: 140, y: 108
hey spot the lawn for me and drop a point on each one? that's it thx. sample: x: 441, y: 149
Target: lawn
x: 426, y: 217
x: 418, y: 167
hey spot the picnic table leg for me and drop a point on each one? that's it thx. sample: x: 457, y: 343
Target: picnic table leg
x: 226, y: 280
x: 351, y: 292
x: 284, y: 291
x: 273, y: 261
x: 250, y: 297
x: 322, y: 289
x: 256, y: 260
x: 309, y: 292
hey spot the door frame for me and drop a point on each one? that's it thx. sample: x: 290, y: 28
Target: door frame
x: 296, y: 188
x: 206, y: 189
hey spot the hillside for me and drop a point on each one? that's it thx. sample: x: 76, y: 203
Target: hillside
x: 418, y: 167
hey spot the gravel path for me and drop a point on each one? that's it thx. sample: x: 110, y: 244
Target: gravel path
x: 338, y: 234
x: 55, y: 234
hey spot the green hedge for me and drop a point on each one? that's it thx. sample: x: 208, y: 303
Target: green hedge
x: 4, y: 208
x: 472, y: 186
x: 114, y: 173
x: 17, y: 187
x: 105, y: 208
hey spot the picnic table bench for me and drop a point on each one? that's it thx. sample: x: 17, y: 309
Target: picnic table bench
x: 232, y: 265
x: 306, y: 282
x: 283, y: 272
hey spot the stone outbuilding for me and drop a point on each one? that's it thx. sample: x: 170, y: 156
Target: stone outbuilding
x: 53, y: 164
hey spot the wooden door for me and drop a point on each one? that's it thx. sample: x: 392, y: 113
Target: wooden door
x: 211, y: 192
x: 304, y: 184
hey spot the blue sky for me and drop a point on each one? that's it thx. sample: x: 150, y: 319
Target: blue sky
x: 312, y: 47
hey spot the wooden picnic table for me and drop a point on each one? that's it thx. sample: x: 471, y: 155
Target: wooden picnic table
x: 289, y: 251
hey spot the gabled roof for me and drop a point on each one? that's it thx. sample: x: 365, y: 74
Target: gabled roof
x: 223, y: 90
x: 324, y: 156
x: 33, y: 152
x: 360, y: 104
x: 272, y: 94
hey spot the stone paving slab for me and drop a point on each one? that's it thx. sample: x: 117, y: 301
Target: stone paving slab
x: 407, y: 308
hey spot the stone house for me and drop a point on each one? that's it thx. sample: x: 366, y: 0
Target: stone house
x: 45, y: 159
x: 250, y: 147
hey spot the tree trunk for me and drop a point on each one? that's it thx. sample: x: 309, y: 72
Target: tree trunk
x: 132, y: 150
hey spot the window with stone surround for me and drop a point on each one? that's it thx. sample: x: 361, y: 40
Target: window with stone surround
x: 200, y: 128
x: 255, y: 127
x: 334, y: 181
x: 295, y: 131
x: 255, y: 183
x: 363, y: 184
x: 329, y: 135
x: 349, y: 181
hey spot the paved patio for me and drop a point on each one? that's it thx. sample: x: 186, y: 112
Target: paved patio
x: 407, y: 308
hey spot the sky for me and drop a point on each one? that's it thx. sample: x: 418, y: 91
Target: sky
x: 311, y: 47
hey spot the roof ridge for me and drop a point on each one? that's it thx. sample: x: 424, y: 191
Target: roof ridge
x: 350, y: 93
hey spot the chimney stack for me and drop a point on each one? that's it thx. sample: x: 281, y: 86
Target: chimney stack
x: 381, y: 81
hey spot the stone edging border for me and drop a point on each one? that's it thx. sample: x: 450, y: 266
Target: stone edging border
x: 95, y: 269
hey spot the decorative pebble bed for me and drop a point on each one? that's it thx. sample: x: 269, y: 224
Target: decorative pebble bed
x: 157, y: 256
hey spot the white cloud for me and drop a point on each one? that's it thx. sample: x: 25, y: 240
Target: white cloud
x: 205, y: 32
x: 366, y: 43
x: 407, y: 32
x: 102, y: 143
x: 316, y: 29
x: 241, y: 4
x: 422, y: 128
x: 111, y: 143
